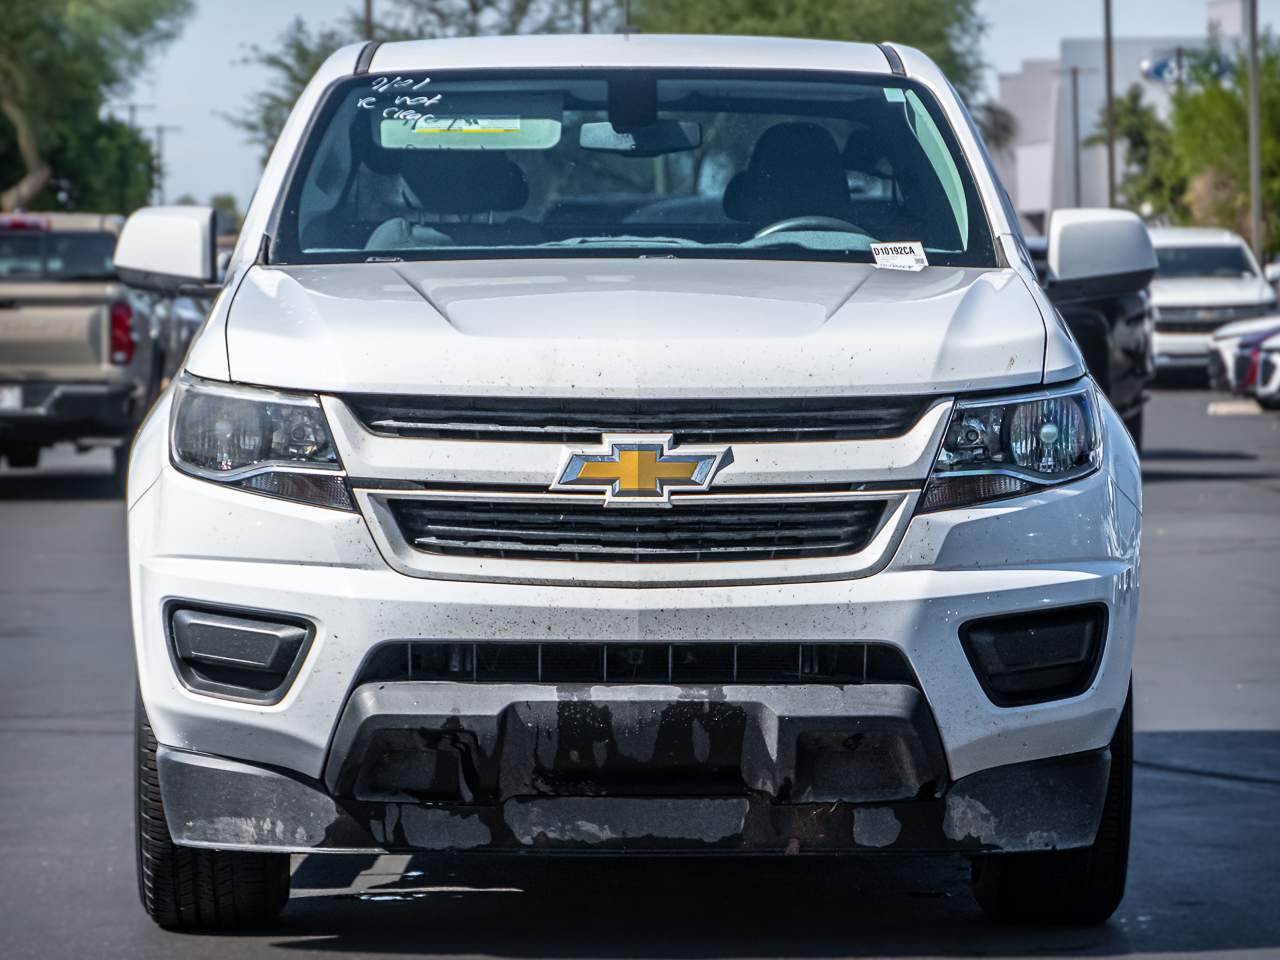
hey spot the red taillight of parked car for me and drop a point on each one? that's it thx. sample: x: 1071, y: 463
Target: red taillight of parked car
x: 122, y: 340
x: 1250, y: 379
x: 17, y: 221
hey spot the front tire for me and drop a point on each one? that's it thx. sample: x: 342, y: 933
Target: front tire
x: 1134, y: 425
x: 182, y: 888
x: 1068, y: 887
x: 119, y: 475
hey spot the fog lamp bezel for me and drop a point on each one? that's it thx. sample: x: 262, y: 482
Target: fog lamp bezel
x: 1046, y: 695
x: 223, y: 691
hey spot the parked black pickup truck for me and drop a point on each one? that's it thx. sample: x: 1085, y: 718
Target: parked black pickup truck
x: 1115, y: 332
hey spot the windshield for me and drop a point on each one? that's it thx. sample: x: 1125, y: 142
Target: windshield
x: 1208, y: 261
x: 629, y: 163
x: 56, y: 256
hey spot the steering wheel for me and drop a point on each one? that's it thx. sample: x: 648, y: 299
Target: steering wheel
x: 808, y: 223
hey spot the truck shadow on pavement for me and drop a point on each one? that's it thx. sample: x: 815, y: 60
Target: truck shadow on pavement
x: 1203, y: 878
x: 34, y: 485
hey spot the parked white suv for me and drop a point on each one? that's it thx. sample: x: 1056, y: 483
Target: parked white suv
x: 633, y: 444
x: 1206, y: 279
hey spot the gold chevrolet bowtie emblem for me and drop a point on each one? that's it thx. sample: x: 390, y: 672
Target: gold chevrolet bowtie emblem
x: 641, y: 468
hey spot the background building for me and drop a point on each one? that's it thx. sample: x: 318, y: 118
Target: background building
x: 1059, y: 104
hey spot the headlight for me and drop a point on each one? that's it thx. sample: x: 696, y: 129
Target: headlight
x: 265, y: 441
x: 1006, y: 446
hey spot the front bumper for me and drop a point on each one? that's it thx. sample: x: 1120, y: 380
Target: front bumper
x: 1038, y: 805
x: 1071, y: 545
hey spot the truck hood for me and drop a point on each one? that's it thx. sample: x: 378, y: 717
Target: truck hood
x: 635, y: 327
x: 1211, y: 292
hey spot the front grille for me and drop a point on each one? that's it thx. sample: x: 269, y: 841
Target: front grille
x: 1189, y: 326
x: 686, y: 531
x: 1205, y: 319
x: 638, y: 663
x: 583, y: 420
x: 1267, y: 370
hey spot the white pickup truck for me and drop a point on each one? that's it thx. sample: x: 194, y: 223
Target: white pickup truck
x: 633, y: 444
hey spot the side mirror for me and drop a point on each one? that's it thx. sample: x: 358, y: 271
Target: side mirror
x: 1098, y: 253
x: 169, y: 250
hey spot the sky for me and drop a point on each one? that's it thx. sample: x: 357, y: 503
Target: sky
x: 200, y: 77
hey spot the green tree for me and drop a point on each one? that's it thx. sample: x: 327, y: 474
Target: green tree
x: 1194, y: 167
x: 227, y: 211
x: 300, y: 49
x: 295, y: 56
x: 1153, y: 181
x: 106, y: 167
x: 59, y: 61
x: 1210, y: 136
x: 949, y: 31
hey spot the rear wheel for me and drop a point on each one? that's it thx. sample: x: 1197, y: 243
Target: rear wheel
x: 1134, y: 425
x: 1068, y: 887
x: 184, y: 888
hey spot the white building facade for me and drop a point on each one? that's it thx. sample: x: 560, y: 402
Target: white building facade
x: 1059, y: 106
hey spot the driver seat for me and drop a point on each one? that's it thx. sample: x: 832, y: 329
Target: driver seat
x: 795, y: 170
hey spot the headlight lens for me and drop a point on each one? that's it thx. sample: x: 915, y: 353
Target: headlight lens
x: 266, y: 441
x: 1007, y: 446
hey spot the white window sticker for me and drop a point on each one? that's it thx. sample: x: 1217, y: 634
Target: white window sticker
x: 900, y: 256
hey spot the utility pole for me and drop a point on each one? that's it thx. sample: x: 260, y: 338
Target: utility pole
x: 586, y: 16
x: 368, y: 19
x: 1255, y: 135
x: 1075, y: 131
x: 1108, y: 56
x: 132, y: 107
x: 1077, y: 168
x: 159, y: 131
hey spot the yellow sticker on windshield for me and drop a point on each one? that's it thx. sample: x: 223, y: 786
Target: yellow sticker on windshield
x: 467, y: 125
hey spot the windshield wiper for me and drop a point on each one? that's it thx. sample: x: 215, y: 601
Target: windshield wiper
x: 622, y: 242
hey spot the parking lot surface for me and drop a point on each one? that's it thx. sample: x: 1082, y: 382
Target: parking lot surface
x: 1205, y: 874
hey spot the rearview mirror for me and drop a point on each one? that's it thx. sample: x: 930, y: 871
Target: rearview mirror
x: 1098, y: 253
x: 168, y: 249
x: 658, y: 138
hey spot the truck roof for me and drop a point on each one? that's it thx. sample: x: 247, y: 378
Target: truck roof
x: 1194, y: 237
x: 629, y: 50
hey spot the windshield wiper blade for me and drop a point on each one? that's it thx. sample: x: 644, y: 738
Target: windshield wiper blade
x: 622, y: 242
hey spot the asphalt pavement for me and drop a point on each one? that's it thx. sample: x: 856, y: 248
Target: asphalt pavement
x: 1205, y: 875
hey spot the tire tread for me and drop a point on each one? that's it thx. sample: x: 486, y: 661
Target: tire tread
x: 1069, y: 887
x: 187, y: 888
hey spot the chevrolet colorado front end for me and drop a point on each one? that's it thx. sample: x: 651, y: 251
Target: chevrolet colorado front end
x: 633, y: 444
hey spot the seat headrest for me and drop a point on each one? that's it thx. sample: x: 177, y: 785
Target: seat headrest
x: 795, y: 170
x: 864, y: 152
x: 464, y: 181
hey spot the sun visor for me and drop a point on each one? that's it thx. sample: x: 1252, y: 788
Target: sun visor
x: 465, y: 121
